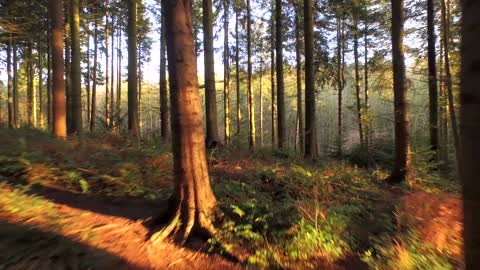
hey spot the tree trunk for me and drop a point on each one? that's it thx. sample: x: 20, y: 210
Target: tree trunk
x: 310, y: 137
x: 15, y: 86
x: 119, y: 81
x: 432, y: 80
x: 68, y: 55
x: 272, y: 71
x: 132, y: 69
x: 93, y: 110
x: 251, y: 105
x: 210, y: 92
x: 237, y: 71
x: 401, y: 170
x: 30, y: 88
x: 87, y: 81
x: 367, y: 125
x: 261, y: 102
x: 164, y: 128
x: 112, y: 73
x: 49, y: 82
x: 193, y: 196
x: 470, y: 131
x: 451, y: 102
x: 340, y: 77
x: 226, y: 72
x: 107, y: 74
x: 280, y: 83
x: 357, y: 82
x: 40, y: 85
x: 298, y: 44
x: 11, y: 121
x: 58, y: 88
x: 76, y: 89
x: 443, y: 113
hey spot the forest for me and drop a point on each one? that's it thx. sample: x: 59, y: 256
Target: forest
x: 240, y: 134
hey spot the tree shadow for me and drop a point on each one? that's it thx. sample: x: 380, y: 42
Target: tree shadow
x: 24, y: 247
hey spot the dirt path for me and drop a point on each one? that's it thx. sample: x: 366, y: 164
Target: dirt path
x: 76, y: 232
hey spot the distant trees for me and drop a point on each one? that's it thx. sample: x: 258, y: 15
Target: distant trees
x: 133, y: 127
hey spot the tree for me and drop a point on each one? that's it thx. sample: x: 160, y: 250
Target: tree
x: 59, y: 102
x: 237, y: 67
x: 310, y: 143
x: 11, y: 121
x: 272, y: 69
x: 226, y: 72
x: 279, y: 68
x: 298, y: 45
x: 193, y: 197
x: 401, y: 170
x: 357, y: 74
x: 432, y: 78
x: 470, y: 131
x: 210, y: 92
x: 251, y: 105
x: 164, y: 128
x: 93, y: 110
x: 76, y: 89
x: 132, y: 69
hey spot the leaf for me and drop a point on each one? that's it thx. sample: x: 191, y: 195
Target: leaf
x: 237, y: 210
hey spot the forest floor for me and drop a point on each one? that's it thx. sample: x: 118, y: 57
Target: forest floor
x: 89, y: 202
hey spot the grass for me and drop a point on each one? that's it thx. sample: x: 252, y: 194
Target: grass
x: 282, y: 212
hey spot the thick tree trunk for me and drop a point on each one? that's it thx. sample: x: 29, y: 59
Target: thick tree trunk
x: 119, y: 81
x: 164, y: 128
x: 87, y: 81
x: 470, y: 131
x: 340, y: 79
x: 443, y: 113
x: 357, y: 82
x: 448, y: 74
x: 49, y: 83
x: 59, y: 103
x: 68, y: 64
x: 367, y: 125
x: 251, y: 104
x: 432, y: 80
x: 237, y: 74
x: 280, y: 82
x: 298, y: 44
x: 76, y: 90
x: 401, y: 170
x: 32, y: 108
x: 210, y: 92
x: 226, y: 73
x: 112, y: 74
x: 11, y: 120
x: 310, y: 130
x: 193, y: 197
x: 132, y: 69
x: 40, y: 85
x: 93, y: 110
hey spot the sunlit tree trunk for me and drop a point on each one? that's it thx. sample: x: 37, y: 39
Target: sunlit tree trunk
x: 443, y: 112
x: 193, y: 197
x: 280, y: 83
x: 89, y: 78
x: 164, y: 128
x: 59, y: 103
x: 76, y: 89
x: 49, y: 82
x: 251, y: 104
x: 301, y: 135
x: 210, y: 92
x: 226, y: 72
x: 40, y: 85
x: 32, y: 108
x: 470, y: 131
x: 340, y: 77
x: 68, y: 55
x: 432, y: 80
x: 119, y: 81
x: 132, y: 69
x: 112, y: 72
x: 310, y: 137
x: 261, y: 102
x: 367, y: 125
x: 401, y: 170
x: 107, y: 74
x: 448, y: 74
x: 15, y: 86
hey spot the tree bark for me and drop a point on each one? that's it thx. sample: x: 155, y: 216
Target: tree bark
x: 107, y: 74
x: 112, y: 72
x: 470, y: 131
x: 193, y: 197
x: 310, y: 138
x: 164, y: 128
x: 237, y: 71
x: 32, y: 108
x: 119, y: 81
x: 40, y: 85
x: 226, y: 72
x: 58, y: 70
x: 261, y: 102
x: 15, y: 86
x: 401, y: 170
x: 301, y: 135
x: 210, y: 92
x: 68, y: 64
x: 432, y: 80
x: 132, y: 69
x: 76, y: 90
x: 89, y: 77
x: 367, y: 125
x: 272, y: 73
x: 280, y: 82
x: 251, y: 105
